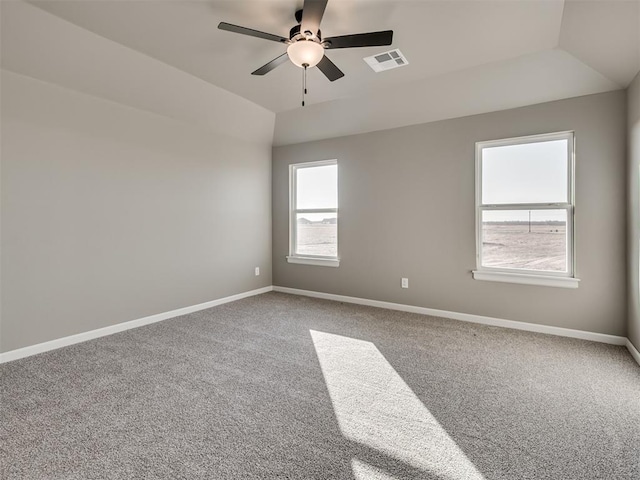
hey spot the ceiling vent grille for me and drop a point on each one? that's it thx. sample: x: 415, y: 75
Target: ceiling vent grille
x: 386, y: 60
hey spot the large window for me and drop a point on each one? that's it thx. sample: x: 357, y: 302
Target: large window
x: 524, y: 210
x: 313, y: 221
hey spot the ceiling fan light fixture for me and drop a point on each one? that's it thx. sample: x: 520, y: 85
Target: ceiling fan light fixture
x: 305, y: 52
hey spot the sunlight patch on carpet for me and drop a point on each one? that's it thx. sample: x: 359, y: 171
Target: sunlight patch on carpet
x: 376, y: 408
x: 364, y: 471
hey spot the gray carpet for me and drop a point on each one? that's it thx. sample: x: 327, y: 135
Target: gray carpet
x: 280, y: 386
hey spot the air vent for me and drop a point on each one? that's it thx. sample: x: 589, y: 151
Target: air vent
x: 387, y: 60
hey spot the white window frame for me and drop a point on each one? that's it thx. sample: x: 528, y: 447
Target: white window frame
x: 293, y: 257
x: 525, y: 276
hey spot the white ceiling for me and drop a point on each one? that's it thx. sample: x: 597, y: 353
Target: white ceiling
x: 466, y: 56
x: 437, y: 37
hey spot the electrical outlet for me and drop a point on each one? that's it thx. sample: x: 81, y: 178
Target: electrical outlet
x: 257, y: 271
x: 405, y: 283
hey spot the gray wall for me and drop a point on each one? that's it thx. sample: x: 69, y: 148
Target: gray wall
x: 110, y: 213
x: 407, y: 210
x: 633, y: 112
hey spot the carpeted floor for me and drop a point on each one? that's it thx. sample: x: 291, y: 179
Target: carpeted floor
x: 281, y: 386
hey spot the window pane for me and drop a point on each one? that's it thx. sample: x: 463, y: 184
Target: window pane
x: 317, y: 187
x: 317, y: 234
x: 526, y: 173
x: 525, y: 239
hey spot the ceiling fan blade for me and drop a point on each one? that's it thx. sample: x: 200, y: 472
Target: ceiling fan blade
x: 312, y: 12
x: 271, y: 65
x: 251, y: 32
x: 329, y: 69
x: 373, y: 39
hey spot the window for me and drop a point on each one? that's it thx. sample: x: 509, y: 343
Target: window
x: 313, y: 221
x: 524, y: 210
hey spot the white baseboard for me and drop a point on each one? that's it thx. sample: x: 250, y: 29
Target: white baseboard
x: 633, y: 351
x: 465, y: 317
x: 101, y: 332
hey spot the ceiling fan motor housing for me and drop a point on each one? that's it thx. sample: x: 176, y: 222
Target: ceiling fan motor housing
x: 296, y: 34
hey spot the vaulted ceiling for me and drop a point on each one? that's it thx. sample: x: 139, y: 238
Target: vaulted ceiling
x: 465, y: 56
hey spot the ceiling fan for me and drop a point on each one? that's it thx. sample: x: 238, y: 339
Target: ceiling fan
x: 305, y: 43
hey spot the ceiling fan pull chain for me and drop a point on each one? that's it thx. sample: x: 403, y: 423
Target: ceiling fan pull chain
x: 304, y: 82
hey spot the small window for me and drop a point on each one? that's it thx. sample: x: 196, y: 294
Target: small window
x: 524, y: 210
x: 313, y: 221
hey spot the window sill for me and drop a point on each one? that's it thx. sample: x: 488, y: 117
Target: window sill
x: 318, y: 261
x: 321, y: 262
x: 526, y: 279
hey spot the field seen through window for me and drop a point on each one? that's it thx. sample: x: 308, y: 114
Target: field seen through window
x: 317, y: 238
x: 520, y: 245
x: 516, y: 245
